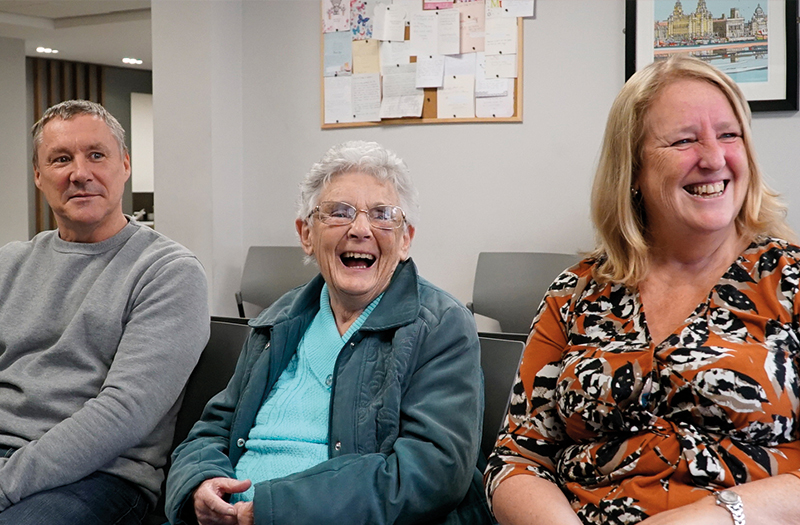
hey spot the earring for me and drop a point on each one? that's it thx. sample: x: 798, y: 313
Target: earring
x: 636, y: 195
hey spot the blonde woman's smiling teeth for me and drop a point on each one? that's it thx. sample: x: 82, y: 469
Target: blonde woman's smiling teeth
x: 706, y: 190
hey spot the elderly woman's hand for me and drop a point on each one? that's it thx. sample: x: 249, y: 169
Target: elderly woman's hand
x: 210, y: 508
x: 244, y: 513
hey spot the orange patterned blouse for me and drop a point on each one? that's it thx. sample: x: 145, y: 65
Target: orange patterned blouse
x: 628, y: 428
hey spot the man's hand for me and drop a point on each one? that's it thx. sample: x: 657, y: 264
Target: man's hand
x: 209, y: 505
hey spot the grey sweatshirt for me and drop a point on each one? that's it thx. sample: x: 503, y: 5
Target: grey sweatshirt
x: 96, y: 343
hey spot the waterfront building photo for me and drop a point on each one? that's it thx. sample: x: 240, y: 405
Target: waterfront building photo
x: 732, y: 35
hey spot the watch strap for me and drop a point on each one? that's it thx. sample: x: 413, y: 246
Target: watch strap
x: 733, y: 503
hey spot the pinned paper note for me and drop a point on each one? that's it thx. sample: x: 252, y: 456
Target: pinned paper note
x: 515, y: 9
x: 473, y: 26
x: 430, y: 71
x: 456, y: 99
x: 435, y: 33
x: 497, y: 107
x: 390, y: 23
x: 501, y: 36
x: 366, y: 97
x: 486, y: 86
x: 460, y: 64
x: 394, y: 54
x: 366, y: 58
x: 401, y: 98
x: 338, y: 54
x: 338, y: 100
x: 501, y: 66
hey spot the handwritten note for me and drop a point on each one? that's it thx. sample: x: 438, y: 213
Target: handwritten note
x: 456, y: 99
x: 496, y: 107
x: 390, y: 23
x: 473, y: 26
x: 366, y: 97
x: 394, y: 54
x: 430, y: 71
x: 401, y: 98
x: 449, y: 30
x: 488, y: 86
x: 501, y: 36
x: 501, y: 66
x: 338, y: 100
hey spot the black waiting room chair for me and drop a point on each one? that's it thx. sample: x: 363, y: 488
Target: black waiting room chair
x: 499, y: 360
x: 210, y: 376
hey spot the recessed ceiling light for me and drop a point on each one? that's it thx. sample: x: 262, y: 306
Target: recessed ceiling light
x: 46, y: 50
x: 133, y: 61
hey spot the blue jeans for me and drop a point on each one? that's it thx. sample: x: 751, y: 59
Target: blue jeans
x: 97, y: 499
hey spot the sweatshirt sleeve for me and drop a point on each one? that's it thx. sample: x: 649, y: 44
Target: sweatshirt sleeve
x: 161, y: 342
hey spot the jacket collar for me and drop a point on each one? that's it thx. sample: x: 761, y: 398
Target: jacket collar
x: 399, y: 305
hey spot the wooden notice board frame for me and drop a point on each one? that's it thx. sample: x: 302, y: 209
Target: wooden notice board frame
x: 429, y: 104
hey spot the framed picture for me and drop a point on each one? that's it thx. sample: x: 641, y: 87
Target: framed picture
x: 753, y: 41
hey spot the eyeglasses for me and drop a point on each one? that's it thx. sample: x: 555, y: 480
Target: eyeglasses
x: 383, y: 217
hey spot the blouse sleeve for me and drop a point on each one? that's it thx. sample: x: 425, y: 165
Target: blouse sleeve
x: 533, y: 434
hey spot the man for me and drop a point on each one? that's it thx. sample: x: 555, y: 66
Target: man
x: 101, y: 323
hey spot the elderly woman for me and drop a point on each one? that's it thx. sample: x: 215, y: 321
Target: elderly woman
x: 357, y: 397
x: 659, y: 383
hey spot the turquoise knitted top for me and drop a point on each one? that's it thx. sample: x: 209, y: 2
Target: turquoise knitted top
x: 290, y: 433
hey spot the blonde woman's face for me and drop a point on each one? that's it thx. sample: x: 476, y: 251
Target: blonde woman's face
x: 695, y: 170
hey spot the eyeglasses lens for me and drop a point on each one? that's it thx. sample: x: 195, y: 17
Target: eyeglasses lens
x: 385, y: 217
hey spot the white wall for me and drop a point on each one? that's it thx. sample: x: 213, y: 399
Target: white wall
x: 14, y: 139
x: 142, y: 178
x: 197, y: 130
x: 483, y: 186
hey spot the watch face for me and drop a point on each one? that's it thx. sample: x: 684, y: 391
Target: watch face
x: 728, y: 497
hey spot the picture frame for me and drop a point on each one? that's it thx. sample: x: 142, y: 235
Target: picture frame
x: 766, y: 62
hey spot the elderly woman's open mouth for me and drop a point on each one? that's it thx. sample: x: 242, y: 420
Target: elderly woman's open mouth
x: 707, y: 190
x: 357, y: 260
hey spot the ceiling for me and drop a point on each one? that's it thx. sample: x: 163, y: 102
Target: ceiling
x: 93, y: 31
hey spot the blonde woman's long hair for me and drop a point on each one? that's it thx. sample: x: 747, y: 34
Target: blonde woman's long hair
x: 622, y: 244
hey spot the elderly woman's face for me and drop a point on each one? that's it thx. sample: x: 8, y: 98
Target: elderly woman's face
x: 694, y: 164
x: 356, y: 260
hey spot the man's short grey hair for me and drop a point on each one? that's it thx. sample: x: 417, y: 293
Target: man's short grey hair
x: 72, y: 108
x: 363, y: 157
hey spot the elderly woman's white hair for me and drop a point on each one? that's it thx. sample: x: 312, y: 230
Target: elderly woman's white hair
x: 364, y: 157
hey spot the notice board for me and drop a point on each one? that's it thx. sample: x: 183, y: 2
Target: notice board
x: 421, y: 62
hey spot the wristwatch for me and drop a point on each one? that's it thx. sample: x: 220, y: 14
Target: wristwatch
x: 731, y: 501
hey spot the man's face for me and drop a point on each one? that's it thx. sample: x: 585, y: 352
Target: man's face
x: 82, y: 172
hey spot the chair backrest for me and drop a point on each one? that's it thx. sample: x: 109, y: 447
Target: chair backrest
x: 271, y: 271
x: 500, y: 361
x: 211, y: 375
x: 510, y: 285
